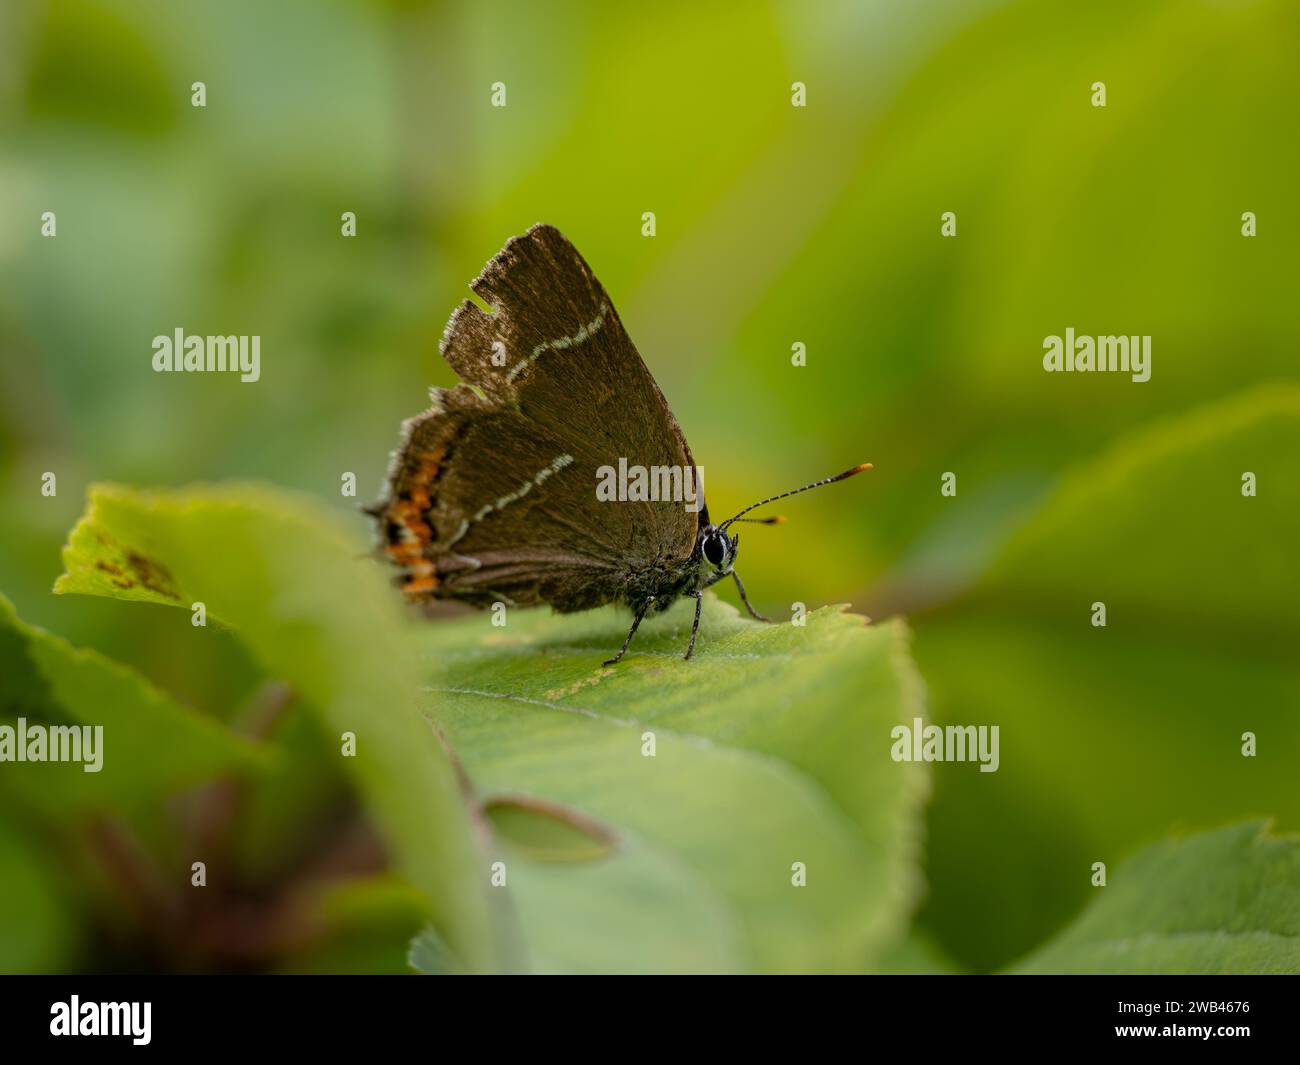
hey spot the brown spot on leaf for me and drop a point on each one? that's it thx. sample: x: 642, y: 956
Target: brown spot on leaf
x: 152, y: 575
x: 118, y: 578
x: 140, y: 572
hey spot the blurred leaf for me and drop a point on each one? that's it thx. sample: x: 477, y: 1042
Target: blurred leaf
x: 150, y: 746
x: 286, y: 575
x: 640, y: 909
x: 1110, y: 735
x: 771, y: 747
x: 1158, y: 526
x: 366, y: 928
x: 918, y: 954
x: 91, y: 64
x: 35, y: 929
x: 921, y: 356
x: 306, y: 781
x: 1224, y: 902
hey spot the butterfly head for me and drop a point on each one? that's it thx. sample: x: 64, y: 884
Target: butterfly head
x: 717, y: 549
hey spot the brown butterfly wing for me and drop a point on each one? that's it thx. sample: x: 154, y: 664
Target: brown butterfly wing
x: 492, y: 494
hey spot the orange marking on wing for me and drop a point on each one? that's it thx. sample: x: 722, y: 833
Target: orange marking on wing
x: 404, y: 554
x: 430, y: 462
x: 410, y: 513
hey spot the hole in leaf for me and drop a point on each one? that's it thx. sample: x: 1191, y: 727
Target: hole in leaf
x: 547, y: 831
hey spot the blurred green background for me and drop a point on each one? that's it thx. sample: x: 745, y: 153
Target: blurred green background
x: 775, y: 225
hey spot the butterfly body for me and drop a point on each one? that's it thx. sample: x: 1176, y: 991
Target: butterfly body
x: 668, y: 580
x: 492, y: 495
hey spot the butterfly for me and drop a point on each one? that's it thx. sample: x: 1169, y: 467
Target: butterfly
x: 491, y: 496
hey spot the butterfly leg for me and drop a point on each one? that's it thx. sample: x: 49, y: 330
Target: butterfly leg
x: 636, y: 621
x: 695, y: 626
x: 740, y: 587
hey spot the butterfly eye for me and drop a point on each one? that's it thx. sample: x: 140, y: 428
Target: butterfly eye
x: 714, y: 551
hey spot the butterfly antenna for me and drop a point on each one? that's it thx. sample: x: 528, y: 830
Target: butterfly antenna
x: 776, y: 519
x: 795, y: 492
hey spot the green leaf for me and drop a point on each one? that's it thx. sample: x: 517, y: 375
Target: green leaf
x: 642, y: 909
x: 281, y: 571
x: 1165, y: 507
x: 603, y: 908
x: 366, y: 926
x: 917, y: 955
x: 771, y: 747
x: 36, y: 925
x: 149, y: 745
x: 306, y: 780
x: 1111, y: 735
x: 1223, y: 902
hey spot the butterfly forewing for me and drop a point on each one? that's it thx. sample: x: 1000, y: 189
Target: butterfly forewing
x: 493, y: 492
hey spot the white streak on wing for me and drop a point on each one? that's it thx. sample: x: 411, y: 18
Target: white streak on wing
x: 519, y: 493
x: 584, y: 333
x: 464, y: 528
